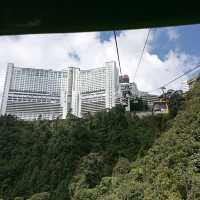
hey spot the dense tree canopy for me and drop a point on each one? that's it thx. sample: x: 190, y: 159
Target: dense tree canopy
x: 137, y: 104
x: 112, y: 155
x: 46, y: 156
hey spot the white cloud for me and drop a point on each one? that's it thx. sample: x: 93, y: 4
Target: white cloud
x: 52, y: 51
x: 172, y: 33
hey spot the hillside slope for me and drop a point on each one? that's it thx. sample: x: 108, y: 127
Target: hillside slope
x: 47, y: 156
x: 110, y: 156
x: 169, y: 170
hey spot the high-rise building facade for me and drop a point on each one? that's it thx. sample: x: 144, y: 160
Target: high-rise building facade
x: 91, y: 90
x: 31, y: 93
x: 99, y: 88
x: 185, y: 86
x: 70, y: 91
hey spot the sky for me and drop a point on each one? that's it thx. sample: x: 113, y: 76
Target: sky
x: 169, y: 52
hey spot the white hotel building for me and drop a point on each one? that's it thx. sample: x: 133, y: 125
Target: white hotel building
x: 31, y: 93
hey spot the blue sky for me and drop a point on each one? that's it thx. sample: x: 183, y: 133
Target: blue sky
x: 184, y: 39
x: 187, y: 40
x: 107, y: 35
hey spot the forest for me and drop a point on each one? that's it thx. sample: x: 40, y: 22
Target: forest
x: 110, y: 156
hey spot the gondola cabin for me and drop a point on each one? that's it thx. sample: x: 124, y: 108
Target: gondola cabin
x: 160, y: 107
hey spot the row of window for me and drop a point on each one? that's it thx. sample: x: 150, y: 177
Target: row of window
x: 31, y: 99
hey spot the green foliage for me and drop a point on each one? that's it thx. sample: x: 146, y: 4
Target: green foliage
x: 137, y: 104
x: 170, y: 169
x: 19, y: 198
x: 65, y: 156
x: 122, y: 167
x: 175, y: 102
x: 40, y: 196
x: 112, y: 155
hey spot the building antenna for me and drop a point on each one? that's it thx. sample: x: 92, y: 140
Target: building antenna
x: 116, y: 45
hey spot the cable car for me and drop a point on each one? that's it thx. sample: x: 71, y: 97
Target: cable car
x: 160, y: 107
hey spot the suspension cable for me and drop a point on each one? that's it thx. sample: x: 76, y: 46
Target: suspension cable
x: 117, y: 52
x: 176, y: 78
x: 141, y: 56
